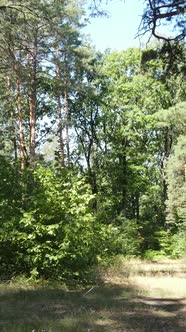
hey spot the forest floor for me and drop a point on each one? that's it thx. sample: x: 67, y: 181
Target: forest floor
x: 135, y: 296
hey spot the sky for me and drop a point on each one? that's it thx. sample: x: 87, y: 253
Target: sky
x: 119, y: 30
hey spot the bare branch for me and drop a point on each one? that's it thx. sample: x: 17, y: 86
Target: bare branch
x: 157, y: 11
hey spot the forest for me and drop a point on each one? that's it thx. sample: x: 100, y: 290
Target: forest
x: 92, y: 145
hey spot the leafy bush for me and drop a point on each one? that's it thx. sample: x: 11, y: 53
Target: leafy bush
x: 165, y: 242
x: 179, y: 242
x: 123, y: 237
x: 54, y: 236
x: 170, y: 245
x: 154, y: 254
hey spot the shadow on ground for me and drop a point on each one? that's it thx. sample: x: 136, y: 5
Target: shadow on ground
x: 107, y: 308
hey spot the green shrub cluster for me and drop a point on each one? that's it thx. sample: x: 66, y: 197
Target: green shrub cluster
x: 50, y: 230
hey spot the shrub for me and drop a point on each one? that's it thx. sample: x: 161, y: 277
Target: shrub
x: 54, y: 235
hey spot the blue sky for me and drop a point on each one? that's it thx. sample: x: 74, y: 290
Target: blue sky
x: 119, y: 30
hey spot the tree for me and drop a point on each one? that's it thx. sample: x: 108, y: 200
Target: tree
x: 28, y: 54
x: 132, y: 97
x: 174, y: 120
x: 160, y: 12
x: 176, y: 180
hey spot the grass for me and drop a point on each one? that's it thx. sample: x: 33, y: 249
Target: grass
x: 158, y: 277
x: 136, y: 296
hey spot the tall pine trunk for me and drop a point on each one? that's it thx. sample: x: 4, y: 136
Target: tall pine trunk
x: 20, y: 121
x: 12, y: 121
x: 32, y: 66
x: 67, y: 123
x: 59, y: 109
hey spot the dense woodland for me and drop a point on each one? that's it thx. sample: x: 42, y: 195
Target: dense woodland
x: 92, y: 146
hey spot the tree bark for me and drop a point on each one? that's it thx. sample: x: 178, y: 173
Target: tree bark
x: 32, y: 65
x: 20, y: 121
x: 67, y: 123
x: 59, y: 109
x: 12, y: 119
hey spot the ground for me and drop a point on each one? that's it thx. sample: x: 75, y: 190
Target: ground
x: 134, y: 296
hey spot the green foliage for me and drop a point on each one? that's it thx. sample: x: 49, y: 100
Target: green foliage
x: 176, y: 179
x: 154, y: 254
x: 128, y: 240
x: 55, y: 235
x: 165, y: 240
x: 174, y: 117
x: 179, y: 242
x: 170, y: 245
x: 121, y: 238
x: 121, y: 114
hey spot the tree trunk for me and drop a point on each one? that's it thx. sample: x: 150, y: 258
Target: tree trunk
x: 32, y: 100
x: 20, y: 121
x: 67, y: 123
x: 59, y: 109
x: 137, y: 205
x: 12, y: 119
x: 123, y: 162
x: 167, y: 152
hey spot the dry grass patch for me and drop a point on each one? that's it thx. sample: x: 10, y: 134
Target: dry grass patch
x: 127, y: 268
x: 137, y: 296
x: 174, y: 287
